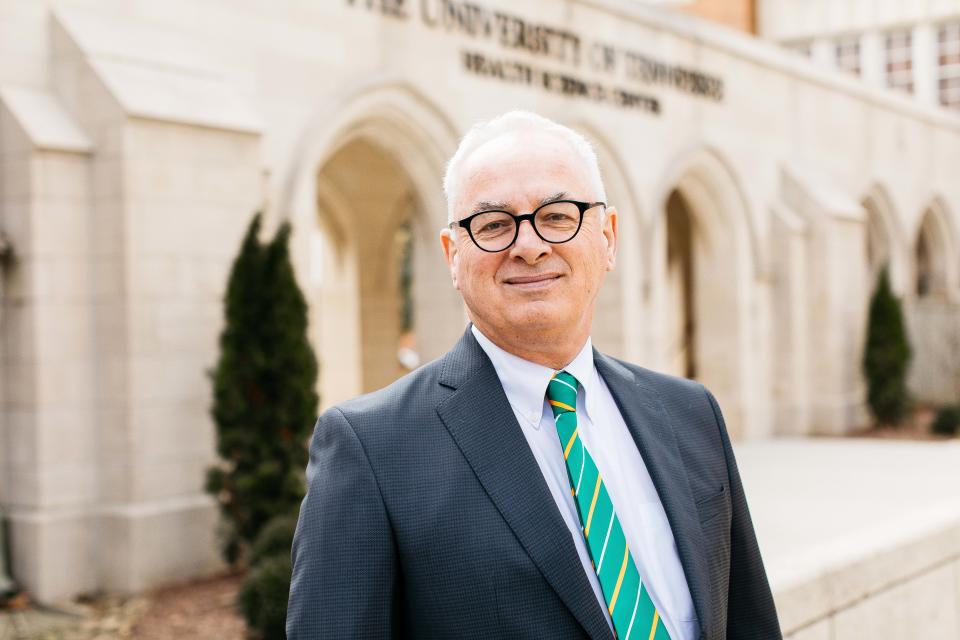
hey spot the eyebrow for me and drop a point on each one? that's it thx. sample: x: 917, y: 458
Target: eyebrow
x: 488, y: 205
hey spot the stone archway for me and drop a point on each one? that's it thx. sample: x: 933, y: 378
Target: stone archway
x: 885, y: 242
x: 681, y: 345
x: 364, y: 201
x: 703, y: 266
x: 365, y: 192
x: 934, y: 375
x: 934, y: 255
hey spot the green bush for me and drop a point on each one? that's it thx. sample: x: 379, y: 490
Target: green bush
x: 947, y: 422
x: 275, y: 538
x: 886, y: 355
x: 264, y: 397
x: 263, y: 596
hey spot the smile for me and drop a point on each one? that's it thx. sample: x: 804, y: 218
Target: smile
x: 540, y: 281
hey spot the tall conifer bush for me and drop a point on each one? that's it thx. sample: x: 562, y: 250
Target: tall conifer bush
x: 264, y: 398
x: 886, y: 356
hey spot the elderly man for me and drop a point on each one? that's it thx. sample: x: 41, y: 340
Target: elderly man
x: 525, y: 485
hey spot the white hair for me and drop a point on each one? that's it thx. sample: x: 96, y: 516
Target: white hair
x: 510, y: 122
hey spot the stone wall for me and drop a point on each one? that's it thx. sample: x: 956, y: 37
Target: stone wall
x: 909, y: 591
x: 125, y: 212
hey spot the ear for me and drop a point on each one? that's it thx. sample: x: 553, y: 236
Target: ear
x: 448, y: 241
x: 609, y: 231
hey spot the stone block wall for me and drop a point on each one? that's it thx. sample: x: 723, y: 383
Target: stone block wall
x: 124, y: 227
x: 908, y: 591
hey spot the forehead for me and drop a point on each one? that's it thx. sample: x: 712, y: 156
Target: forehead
x: 521, y: 168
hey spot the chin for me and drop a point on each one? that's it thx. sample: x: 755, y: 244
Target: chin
x: 533, y: 315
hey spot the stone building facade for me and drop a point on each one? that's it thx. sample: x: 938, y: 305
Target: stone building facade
x: 909, y: 47
x: 759, y: 196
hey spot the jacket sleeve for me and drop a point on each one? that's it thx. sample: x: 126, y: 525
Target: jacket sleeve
x: 344, y: 560
x: 751, y: 613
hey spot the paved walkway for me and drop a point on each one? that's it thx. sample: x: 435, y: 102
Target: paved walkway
x: 33, y: 623
x: 820, y: 503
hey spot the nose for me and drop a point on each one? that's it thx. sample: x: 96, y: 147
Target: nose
x: 529, y: 247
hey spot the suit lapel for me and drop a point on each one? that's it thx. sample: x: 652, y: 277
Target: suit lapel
x: 653, y: 432
x: 480, y: 420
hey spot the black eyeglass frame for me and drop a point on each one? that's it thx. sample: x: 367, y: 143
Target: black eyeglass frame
x: 583, y: 207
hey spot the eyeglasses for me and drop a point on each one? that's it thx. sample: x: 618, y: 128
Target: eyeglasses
x: 555, y: 222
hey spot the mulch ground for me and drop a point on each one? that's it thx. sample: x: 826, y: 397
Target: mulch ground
x: 199, y: 610
x: 196, y: 611
x: 914, y: 427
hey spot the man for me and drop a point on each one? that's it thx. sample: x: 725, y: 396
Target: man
x: 525, y: 485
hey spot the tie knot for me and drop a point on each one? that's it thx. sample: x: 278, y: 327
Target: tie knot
x: 562, y: 392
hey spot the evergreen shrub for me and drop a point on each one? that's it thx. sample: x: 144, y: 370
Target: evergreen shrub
x: 264, y: 397
x: 263, y: 596
x: 886, y: 356
x: 947, y: 422
x: 275, y: 538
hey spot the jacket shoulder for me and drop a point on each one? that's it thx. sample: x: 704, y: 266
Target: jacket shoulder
x: 663, y: 383
x: 682, y: 398
x: 413, y: 395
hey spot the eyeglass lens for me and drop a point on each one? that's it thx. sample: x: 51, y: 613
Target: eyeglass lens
x: 554, y: 222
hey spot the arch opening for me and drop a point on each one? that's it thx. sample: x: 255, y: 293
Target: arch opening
x: 879, y: 243
x: 886, y: 244
x: 379, y: 308
x: 934, y: 375
x: 681, y: 345
x: 703, y: 261
x: 930, y: 254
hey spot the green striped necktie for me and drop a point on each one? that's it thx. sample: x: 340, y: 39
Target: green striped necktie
x: 632, y: 611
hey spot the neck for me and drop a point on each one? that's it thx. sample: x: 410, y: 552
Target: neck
x: 543, y: 348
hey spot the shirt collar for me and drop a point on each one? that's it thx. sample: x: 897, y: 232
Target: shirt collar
x: 525, y: 383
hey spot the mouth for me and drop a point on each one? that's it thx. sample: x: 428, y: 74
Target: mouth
x: 538, y: 281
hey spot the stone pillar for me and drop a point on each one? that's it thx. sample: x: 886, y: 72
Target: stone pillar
x: 790, y: 333
x: 51, y: 444
x: 189, y: 193
x: 838, y: 321
x: 925, y: 64
x: 174, y: 186
x: 873, y: 68
x: 823, y: 52
x: 835, y: 278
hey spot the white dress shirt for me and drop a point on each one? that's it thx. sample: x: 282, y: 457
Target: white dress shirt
x: 606, y: 436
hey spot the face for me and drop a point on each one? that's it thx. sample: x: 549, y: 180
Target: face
x: 534, y: 288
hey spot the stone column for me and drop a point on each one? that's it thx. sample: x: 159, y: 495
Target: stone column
x: 873, y: 59
x: 833, y: 281
x: 838, y: 321
x: 790, y: 333
x: 925, y: 64
x: 50, y: 444
x: 823, y: 52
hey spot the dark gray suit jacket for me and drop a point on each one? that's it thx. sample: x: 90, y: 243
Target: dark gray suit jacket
x: 427, y: 516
